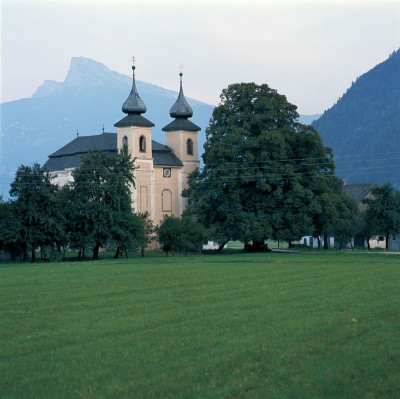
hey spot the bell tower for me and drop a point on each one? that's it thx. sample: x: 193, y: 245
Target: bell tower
x: 181, y: 138
x: 134, y: 133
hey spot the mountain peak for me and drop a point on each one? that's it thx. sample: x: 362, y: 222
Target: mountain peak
x: 85, y: 71
x: 87, y: 64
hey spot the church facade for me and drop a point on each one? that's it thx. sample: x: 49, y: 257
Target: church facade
x: 161, y: 170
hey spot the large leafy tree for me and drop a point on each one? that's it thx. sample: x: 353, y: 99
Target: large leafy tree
x: 263, y: 171
x: 382, y: 215
x: 35, y: 207
x: 100, y: 202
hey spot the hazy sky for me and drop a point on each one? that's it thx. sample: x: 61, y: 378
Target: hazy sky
x: 311, y: 51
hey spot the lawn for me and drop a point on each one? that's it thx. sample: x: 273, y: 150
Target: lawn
x: 272, y: 325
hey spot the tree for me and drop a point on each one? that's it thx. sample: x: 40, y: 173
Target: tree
x: 145, y: 238
x: 100, y: 200
x: 263, y: 171
x: 194, y: 234
x: 10, y: 230
x: 347, y: 224
x: 134, y: 233
x: 383, y: 211
x: 170, y: 234
x: 35, y: 206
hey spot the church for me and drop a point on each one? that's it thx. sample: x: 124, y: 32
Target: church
x: 161, y: 170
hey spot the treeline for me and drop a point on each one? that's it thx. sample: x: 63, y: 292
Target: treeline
x: 94, y: 210
x: 265, y: 177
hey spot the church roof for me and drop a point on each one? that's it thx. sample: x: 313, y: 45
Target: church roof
x: 134, y: 120
x: 70, y: 155
x: 181, y: 111
x: 181, y: 108
x: 134, y: 106
x: 181, y: 124
x: 82, y: 145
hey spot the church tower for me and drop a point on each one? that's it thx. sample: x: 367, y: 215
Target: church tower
x: 134, y: 133
x: 181, y: 138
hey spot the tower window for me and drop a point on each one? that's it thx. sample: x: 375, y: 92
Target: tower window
x: 125, y: 143
x: 189, y: 146
x: 142, y: 144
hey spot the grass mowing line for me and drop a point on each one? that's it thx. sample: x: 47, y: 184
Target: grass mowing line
x: 320, y: 325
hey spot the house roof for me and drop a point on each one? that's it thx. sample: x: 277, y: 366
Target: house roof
x: 70, y: 155
x: 359, y: 191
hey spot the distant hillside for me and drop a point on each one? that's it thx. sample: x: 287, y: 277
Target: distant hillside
x: 363, y: 127
x: 90, y: 97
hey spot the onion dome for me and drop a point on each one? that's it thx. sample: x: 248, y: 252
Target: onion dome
x: 181, y: 108
x: 134, y: 104
x: 181, y: 111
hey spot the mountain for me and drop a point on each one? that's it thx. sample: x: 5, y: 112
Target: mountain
x: 363, y: 127
x: 90, y: 97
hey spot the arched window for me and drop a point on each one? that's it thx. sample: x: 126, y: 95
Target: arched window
x: 125, y: 143
x: 142, y: 144
x: 166, y: 198
x: 189, y: 146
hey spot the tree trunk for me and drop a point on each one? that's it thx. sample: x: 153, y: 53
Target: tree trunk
x: 126, y: 252
x: 326, y: 246
x: 387, y: 241
x: 142, y: 251
x: 221, y: 246
x: 319, y: 242
x: 79, y: 255
x: 258, y: 246
x: 96, y: 251
x: 33, y: 258
x: 351, y: 245
x: 290, y: 244
x: 369, y: 246
x: 116, y: 256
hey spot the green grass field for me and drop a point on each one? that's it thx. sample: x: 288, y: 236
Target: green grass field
x: 307, y: 325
